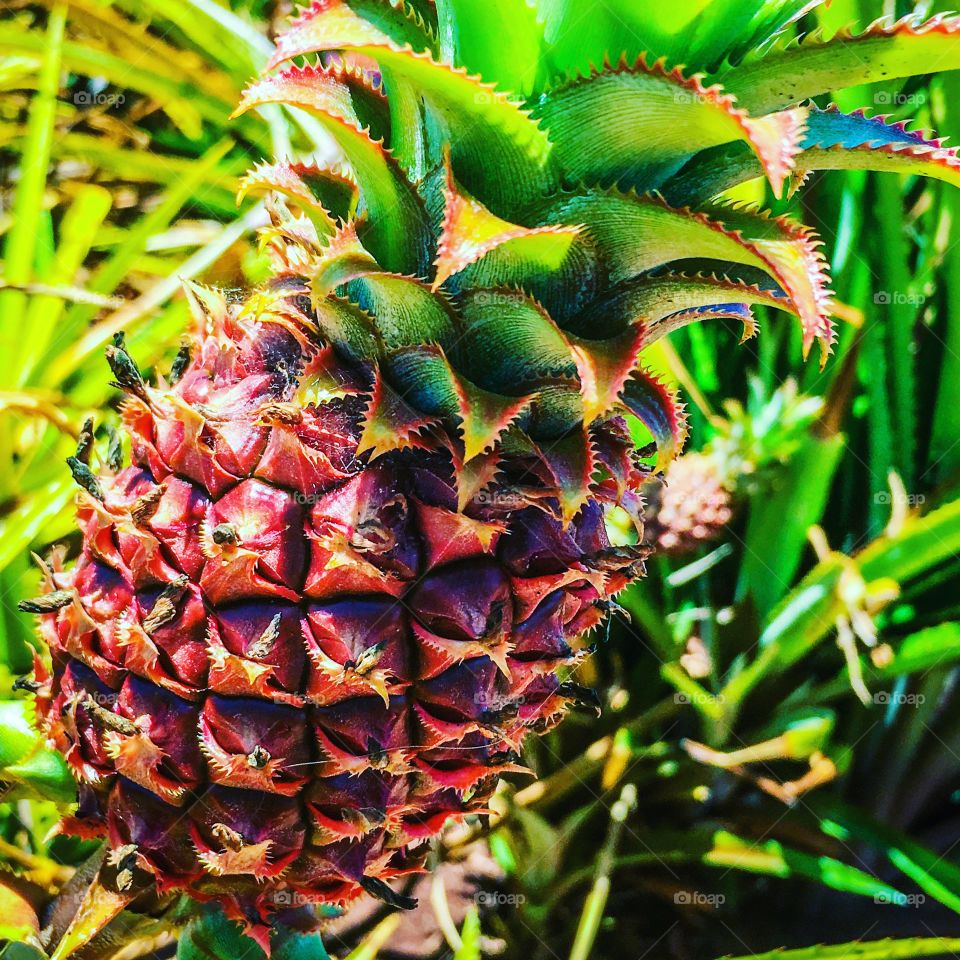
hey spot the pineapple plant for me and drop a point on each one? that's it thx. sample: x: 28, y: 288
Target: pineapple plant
x: 360, y: 546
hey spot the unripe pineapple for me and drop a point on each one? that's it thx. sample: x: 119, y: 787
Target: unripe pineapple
x: 362, y: 538
x: 690, y: 507
x: 695, y: 499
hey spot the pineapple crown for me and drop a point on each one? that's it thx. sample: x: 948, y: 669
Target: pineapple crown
x: 533, y: 194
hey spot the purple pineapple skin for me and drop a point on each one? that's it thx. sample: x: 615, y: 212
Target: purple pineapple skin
x: 283, y: 665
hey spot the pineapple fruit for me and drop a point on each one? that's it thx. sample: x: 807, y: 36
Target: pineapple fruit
x: 693, y: 502
x: 690, y: 507
x: 361, y: 541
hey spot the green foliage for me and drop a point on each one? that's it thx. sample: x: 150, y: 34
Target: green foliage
x: 26, y: 760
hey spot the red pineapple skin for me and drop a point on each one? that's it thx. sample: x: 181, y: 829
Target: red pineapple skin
x: 284, y: 666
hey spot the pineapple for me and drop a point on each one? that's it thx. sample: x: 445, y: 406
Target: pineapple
x: 691, y: 506
x: 361, y: 542
x: 697, y: 496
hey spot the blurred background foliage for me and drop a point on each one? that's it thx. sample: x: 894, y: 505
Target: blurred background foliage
x: 778, y: 762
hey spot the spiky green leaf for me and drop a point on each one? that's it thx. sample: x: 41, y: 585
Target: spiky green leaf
x: 797, y: 71
x: 655, y: 118
x: 397, y: 234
